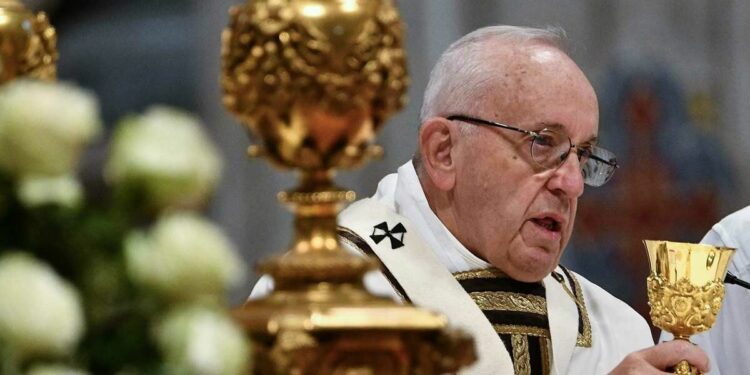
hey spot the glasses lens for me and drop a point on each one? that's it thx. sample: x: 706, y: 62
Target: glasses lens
x: 550, y: 148
x: 596, y: 172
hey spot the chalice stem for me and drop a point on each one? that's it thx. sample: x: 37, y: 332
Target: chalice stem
x: 684, y: 367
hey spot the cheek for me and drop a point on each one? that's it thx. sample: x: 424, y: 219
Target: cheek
x: 482, y: 204
x: 473, y: 192
x: 476, y: 177
x: 571, y: 220
x: 486, y: 184
x: 494, y: 193
x: 501, y: 191
x: 495, y: 211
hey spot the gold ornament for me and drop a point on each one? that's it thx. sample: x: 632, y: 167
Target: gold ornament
x: 312, y: 81
x: 28, y: 44
x: 686, y: 288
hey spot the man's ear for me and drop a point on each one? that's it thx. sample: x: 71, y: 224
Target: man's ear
x: 437, y: 142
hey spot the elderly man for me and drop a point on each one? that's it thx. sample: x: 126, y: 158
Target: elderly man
x: 475, y: 225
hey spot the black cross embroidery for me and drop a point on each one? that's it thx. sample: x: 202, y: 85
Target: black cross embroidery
x: 396, y: 235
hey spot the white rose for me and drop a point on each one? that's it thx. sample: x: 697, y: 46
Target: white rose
x: 44, y: 126
x: 55, y: 370
x: 40, y: 313
x: 184, y: 257
x: 198, y: 340
x: 167, y: 155
x: 64, y: 190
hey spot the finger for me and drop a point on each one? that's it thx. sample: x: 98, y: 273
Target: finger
x: 636, y: 364
x: 668, y: 354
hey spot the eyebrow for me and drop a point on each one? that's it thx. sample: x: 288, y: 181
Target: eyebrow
x: 593, y: 140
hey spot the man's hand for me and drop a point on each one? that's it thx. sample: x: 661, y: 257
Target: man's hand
x: 657, y: 359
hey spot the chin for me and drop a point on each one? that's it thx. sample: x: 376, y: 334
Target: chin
x: 534, y: 267
x: 531, y: 277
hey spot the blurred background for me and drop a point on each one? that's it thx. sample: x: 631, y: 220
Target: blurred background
x: 673, y: 79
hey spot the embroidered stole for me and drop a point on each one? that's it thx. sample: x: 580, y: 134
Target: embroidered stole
x: 407, y: 268
x: 517, y: 312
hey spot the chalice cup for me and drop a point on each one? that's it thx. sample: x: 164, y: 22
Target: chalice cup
x: 685, y: 288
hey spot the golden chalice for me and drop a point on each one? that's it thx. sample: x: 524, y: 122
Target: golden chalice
x: 686, y: 288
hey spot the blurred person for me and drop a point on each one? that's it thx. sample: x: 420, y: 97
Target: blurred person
x: 475, y: 224
x: 726, y: 343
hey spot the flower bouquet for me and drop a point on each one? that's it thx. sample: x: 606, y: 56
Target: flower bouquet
x: 133, y: 281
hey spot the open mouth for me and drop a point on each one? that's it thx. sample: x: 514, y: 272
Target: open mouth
x: 548, y: 223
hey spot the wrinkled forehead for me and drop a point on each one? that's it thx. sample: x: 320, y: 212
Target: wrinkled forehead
x: 536, y: 83
x: 531, y: 67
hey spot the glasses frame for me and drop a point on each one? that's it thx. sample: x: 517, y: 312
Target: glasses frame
x: 581, y: 152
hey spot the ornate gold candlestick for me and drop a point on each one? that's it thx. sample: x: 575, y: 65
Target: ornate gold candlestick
x: 314, y: 80
x: 686, y: 288
x: 28, y: 44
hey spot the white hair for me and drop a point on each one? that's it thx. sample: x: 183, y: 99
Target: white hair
x: 464, y: 71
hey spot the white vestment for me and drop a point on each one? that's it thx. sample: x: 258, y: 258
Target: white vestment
x: 728, y: 341
x: 423, y: 270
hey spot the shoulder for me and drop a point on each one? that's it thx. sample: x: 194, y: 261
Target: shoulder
x: 370, y: 216
x: 732, y: 231
x: 743, y: 215
x: 385, y: 199
x: 362, y: 223
x: 367, y: 207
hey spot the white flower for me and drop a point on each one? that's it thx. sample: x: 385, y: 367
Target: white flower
x: 55, y: 370
x: 183, y: 257
x: 44, y: 126
x: 64, y: 190
x: 166, y: 154
x: 40, y: 313
x: 197, y: 340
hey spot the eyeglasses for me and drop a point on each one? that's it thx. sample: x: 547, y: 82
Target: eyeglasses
x: 550, y: 149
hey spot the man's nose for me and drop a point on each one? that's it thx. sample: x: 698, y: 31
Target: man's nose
x: 568, y: 178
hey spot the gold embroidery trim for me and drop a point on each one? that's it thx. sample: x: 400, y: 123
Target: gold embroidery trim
x: 584, y: 340
x: 521, y: 357
x: 487, y: 273
x: 513, y: 329
x: 545, y: 345
x: 509, y: 301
